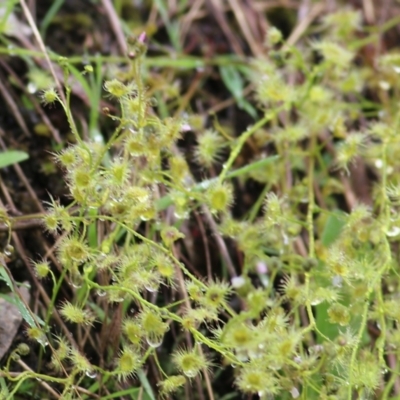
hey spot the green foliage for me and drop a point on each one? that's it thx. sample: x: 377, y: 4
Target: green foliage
x: 11, y: 157
x: 341, y: 266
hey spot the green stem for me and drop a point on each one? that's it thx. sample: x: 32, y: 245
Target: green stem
x: 310, y: 224
x: 242, y: 140
x: 363, y: 324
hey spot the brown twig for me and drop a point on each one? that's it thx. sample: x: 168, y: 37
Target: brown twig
x: 115, y: 25
x: 42, y: 383
x: 220, y: 241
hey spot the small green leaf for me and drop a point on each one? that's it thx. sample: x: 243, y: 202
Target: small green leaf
x: 12, y: 157
x: 246, y: 106
x: 146, y: 385
x: 332, y: 229
x: 233, y: 80
x: 331, y: 331
x: 4, y: 277
x: 16, y: 301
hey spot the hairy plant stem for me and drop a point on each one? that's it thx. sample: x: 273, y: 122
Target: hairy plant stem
x: 242, y: 140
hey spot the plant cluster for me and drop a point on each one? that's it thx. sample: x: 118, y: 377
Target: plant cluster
x: 292, y: 320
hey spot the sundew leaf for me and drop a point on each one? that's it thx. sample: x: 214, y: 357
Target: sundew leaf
x: 146, y: 385
x: 327, y: 329
x: 234, y: 82
x: 11, y: 157
x: 26, y: 315
x: 332, y: 229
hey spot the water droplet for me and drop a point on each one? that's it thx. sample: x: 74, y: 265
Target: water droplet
x: 152, y: 287
x: 378, y: 163
x: 316, y: 301
x: 295, y: 392
x: 31, y: 87
x: 264, y: 280
x: 337, y: 281
x: 43, y: 341
x: 101, y: 293
x: 11, y: 51
x: 91, y: 374
x: 117, y: 299
x: 260, y: 393
x: 9, y: 250
x: 76, y: 281
x: 97, y: 136
x: 181, y: 214
x: 237, y: 282
x: 254, y: 354
x: 242, y: 356
x: 316, y: 349
x: 285, y: 239
x: 154, y: 340
x: 393, y: 231
x: 384, y: 85
x: 190, y: 373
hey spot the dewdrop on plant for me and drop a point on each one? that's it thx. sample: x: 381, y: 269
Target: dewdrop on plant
x: 153, y: 327
x: 38, y: 335
x: 219, y: 197
x: 253, y: 379
x: 190, y: 362
x: 128, y: 363
x: 79, y: 361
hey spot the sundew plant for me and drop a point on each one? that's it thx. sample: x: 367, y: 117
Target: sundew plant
x: 303, y: 301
